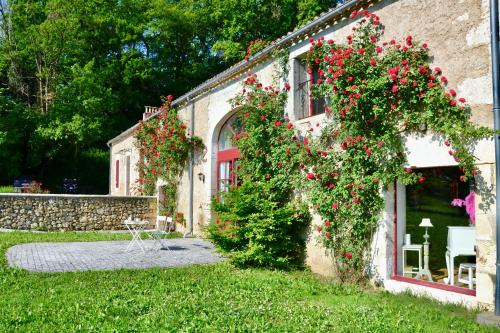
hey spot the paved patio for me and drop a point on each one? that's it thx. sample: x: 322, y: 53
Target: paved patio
x: 109, y: 255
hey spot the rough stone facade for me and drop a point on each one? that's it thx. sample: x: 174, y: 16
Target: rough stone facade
x: 72, y: 212
x: 457, y: 32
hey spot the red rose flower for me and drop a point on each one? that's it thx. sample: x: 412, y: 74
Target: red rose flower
x: 262, y: 117
x: 318, y: 228
x: 375, y: 180
x: 348, y: 255
x: 408, y: 170
x: 453, y: 102
x: 461, y: 100
x: 327, y: 223
x: 450, y: 152
x: 310, y: 176
x: 421, y: 179
x: 328, y: 234
x: 277, y: 123
x: 335, y: 205
x: 463, y: 179
x: 453, y: 92
x: 379, y: 49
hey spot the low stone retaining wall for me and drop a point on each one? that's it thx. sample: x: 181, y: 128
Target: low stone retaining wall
x: 72, y: 212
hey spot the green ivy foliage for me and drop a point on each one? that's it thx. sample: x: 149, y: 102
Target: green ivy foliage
x: 263, y: 221
x: 377, y: 93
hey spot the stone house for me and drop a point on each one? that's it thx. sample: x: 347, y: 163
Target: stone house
x: 458, y: 36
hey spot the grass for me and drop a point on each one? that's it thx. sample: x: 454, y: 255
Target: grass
x: 7, y: 189
x: 209, y: 298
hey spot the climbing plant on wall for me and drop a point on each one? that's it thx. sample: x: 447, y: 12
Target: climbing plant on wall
x: 377, y: 93
x: 164, y: 146
x: 262, y: 222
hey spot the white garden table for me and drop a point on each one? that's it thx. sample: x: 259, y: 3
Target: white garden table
x: 135, y: 227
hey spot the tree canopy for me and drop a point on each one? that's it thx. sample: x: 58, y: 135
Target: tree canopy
x: 75, y: 73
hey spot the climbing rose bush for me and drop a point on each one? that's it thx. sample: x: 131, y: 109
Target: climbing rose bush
x: 164, y: 145
x: 255, y: 46
x: 263, y: 221
x: 377, y: 93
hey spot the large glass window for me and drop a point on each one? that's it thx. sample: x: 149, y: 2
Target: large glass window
x: 444, y: 204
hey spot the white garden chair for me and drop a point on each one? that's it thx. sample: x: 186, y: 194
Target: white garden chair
x: 160, y: 231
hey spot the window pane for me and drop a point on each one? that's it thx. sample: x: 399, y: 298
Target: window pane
x: 436, y: 198
x: 225, y: 139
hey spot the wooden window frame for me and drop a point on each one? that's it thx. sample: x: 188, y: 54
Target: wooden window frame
x: 309, y: 82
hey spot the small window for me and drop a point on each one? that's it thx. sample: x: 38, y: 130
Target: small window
x: 117, y: 173
x: 305, y: 105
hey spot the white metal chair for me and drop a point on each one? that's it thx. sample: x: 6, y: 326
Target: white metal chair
x: 159, y: 232
x: 470, y: 268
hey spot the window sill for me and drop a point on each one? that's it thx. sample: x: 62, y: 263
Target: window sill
x: 312, y: 120
x: 435, y: 285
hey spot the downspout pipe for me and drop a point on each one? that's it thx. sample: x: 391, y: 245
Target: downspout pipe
x: 495, y: 63
x: 190, y: 233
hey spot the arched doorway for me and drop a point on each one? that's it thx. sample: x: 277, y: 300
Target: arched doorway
x: 228, y: 154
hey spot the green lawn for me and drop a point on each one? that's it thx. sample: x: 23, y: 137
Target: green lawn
x: 212, y: 298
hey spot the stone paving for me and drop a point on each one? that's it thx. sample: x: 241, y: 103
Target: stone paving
x: 109, y: 255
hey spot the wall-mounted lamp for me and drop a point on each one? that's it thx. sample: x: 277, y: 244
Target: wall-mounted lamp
x: 201, y: 177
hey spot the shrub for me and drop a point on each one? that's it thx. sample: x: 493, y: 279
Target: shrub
x: 262, y: 222
x: 7, y: 189
x: 258, y: 231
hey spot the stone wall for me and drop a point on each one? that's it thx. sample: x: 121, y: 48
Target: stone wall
x: 72, y: 212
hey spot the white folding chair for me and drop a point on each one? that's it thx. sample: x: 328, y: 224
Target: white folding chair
x: 159, y: 232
